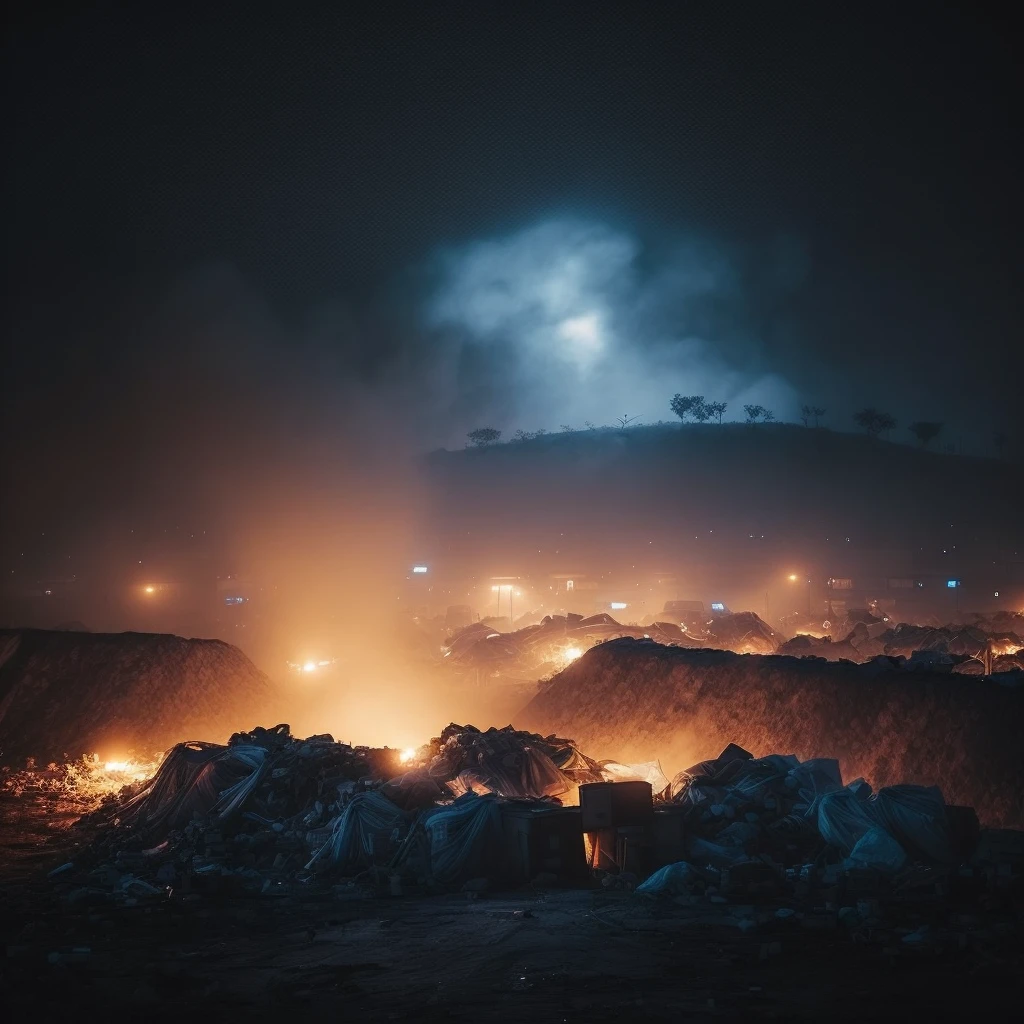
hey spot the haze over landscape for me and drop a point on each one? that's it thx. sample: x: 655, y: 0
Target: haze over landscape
x: 646, y: 377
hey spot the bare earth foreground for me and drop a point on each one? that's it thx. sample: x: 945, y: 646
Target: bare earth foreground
x: 533, y: 954
x: 312, y: 951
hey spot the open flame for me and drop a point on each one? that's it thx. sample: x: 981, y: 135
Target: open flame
x: 81, y: 785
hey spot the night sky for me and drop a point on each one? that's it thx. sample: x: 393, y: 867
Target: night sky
x: 208, y: 213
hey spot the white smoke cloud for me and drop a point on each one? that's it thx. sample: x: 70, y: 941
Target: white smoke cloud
x: 569, y: 321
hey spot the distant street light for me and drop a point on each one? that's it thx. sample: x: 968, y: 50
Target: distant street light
x: 793, y: 577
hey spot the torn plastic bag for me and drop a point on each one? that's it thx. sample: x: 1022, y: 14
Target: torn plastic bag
x: 701, y: 851
x: 465, y: 838
x: 414, y: 790
x: 518, y: 775
x: 470, y: 781
x: 645, y: 771
x: 916, y: 816
x: 708, y: 769
x: 813, y: 779
x: 843, y: 819
x: 234, y: 797
x: 671, y: 880
x: 876, y: 850
x: 367, y: 819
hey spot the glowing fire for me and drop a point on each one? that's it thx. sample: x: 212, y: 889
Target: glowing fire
x: 82, y: 785
x: 1005, y: 647
x: 407, y: 755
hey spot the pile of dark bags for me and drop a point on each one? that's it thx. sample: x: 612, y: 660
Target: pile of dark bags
x: 511, y: 764
x: 785, y: 819
x: 267, y: 811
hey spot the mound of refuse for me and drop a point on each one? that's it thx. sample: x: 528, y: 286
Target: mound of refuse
x: 63, y: 694
x: 968, y: 649
x: 271, y: 813
x: 544, y: 648
x: 882, y: 721
x: 267, y: 806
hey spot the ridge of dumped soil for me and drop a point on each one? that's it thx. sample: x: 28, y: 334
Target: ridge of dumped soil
x: 63, y: 694
x: 634, y: 699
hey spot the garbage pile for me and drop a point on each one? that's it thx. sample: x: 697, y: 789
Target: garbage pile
x: 742, y: 633
x: 737, y: 805
x: 776, y: 825
x: 267, y: 810
x: 510, y: 764
x: 968, y: 650
x: 538, y: 650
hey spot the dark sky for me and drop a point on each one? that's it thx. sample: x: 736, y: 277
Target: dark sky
x: 319, y: 160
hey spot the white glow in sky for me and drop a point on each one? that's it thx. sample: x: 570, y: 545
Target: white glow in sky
x: 582, y: 335
x: 562, y: 322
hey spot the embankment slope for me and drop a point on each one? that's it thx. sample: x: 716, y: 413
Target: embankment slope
x: 63, y: 694
x: 635, y: 699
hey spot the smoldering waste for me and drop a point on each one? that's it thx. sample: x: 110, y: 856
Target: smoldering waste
x: 274, y: 814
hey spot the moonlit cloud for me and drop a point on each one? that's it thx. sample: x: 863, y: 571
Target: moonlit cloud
x: 573, y: 321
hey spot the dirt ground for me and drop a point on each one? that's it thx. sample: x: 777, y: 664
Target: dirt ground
x: 533, y: 954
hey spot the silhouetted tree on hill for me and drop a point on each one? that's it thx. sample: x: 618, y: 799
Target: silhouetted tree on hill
x: 817, y: 412
x: 873, y: 422
x: 754, y: 412
x: 716, y: 409
x: 683, y: 405
x: 483, y: 436
x: 925, y: 432
x: 701, y: 412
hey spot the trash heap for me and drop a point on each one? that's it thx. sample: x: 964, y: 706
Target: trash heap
x: 539, y: 650
x: 267, y: 810
x: 508, y: 763
x: 742, y: 633
x: 546, y: 647
x: 272, y: 814
x: 958, y: 648
x: 774, y: 821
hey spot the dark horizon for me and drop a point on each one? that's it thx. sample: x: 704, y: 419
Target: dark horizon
x: 257, y: 264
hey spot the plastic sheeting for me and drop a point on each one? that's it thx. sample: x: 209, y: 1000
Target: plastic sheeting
x: 916, y: 817
x: 646, y: 771
x: 671, y: 880
x: 190, y: 783
x: 813, y: 779
x: 529, y: 774
x: 463, y: 837
x: 877, y: 851
x: 367, y: 818
x: 843, y: 819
